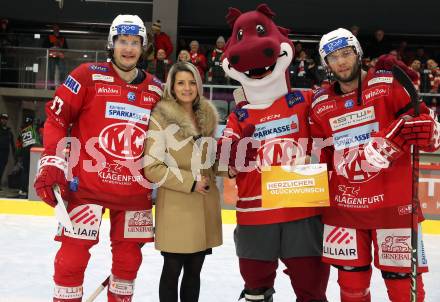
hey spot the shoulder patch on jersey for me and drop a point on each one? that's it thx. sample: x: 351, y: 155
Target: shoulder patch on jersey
x: 155, y: 89
x: 294, y: 98
x: 101, y: 77
x: 98, y: 68
x: 241, y: 114
x: 317, y: 100
x: 72, y: 84
x: 157, y: 81
x: 318, y: 92
x: 384, y: 72
x: 383, y: 79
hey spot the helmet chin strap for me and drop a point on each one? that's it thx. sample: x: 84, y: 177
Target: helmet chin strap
x: 359, y: 90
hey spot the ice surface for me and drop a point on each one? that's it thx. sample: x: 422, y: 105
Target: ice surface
x: 26, y: 267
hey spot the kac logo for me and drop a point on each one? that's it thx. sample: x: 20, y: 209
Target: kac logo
x: 131, y: 96
x: 123, y: 140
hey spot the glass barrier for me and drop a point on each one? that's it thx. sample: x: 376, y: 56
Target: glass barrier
x: 222, y: 97
x: 41, y: 68
x: 30, y: 67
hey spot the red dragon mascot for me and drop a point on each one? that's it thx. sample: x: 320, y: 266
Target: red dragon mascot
x: 270, y: 118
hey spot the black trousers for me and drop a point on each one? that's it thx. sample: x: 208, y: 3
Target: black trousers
x: 190, y: 285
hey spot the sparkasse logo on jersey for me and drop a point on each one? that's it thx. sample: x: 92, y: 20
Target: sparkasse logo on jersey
x: 108, y: 90
x: 352, y: 118
x: 354, y: 136
x: 127, y: 112
x: 276, y: 128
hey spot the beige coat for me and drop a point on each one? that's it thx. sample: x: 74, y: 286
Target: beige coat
x: 186, y: 222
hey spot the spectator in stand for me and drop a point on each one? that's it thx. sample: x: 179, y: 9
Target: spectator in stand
x: 198, y: 59
x: 216, y: 74
x: 298, y: 49
x: 161, y: 39
x: 56, y: 43
x: 355, y: 30
x: 403, y: 52
x: 6, y: 143
x: 184, y: 56
x: 379, y: 45
x: 434, y: 106
x: 160, y: 66
x: 394, y: 53
x: 8, y: 72
x: 148, y: 53
x: 416, y: 66
x: 7, y: 37
x: 421, y: 56
x: 302, y: 71
x: 366, y: 61
x: 434, y: 75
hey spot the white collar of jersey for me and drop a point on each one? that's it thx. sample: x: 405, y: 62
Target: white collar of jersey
x: 258, y: 106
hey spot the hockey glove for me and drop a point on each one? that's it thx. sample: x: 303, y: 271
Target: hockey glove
x: 420, y: 131
x: 52, y: 171
x: 238, y: 149
x: 386, y: 145
x: 387, y: 61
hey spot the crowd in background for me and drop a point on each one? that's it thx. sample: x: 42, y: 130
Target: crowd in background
x: 305, y: 71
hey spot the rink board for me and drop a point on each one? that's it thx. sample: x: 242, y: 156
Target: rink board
x: 38, y: 208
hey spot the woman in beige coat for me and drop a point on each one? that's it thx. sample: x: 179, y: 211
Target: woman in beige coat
x: 180, y: 152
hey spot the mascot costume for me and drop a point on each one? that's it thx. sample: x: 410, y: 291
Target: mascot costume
x: 270, y: 120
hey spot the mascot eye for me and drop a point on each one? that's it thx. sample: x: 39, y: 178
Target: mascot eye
x: 260, y: 30
x: 240, y: 35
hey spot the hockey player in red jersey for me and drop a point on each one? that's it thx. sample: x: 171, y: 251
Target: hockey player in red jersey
x: 364, y: 129
x: 106, y: 108
x: 274, y: 122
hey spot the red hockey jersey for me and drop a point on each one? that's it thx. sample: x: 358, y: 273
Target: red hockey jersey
x: 363, y: 198
x: 282, y: 123
x: 108, y: 121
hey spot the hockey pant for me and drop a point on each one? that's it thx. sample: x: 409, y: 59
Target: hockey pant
x: 71, y: 262
x: 308, y: 276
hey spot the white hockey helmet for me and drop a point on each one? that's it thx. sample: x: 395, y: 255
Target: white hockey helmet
x: 335, y: 40
x: 127, y: 25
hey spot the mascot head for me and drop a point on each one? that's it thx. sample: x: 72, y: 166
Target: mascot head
x: 258, y: 54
